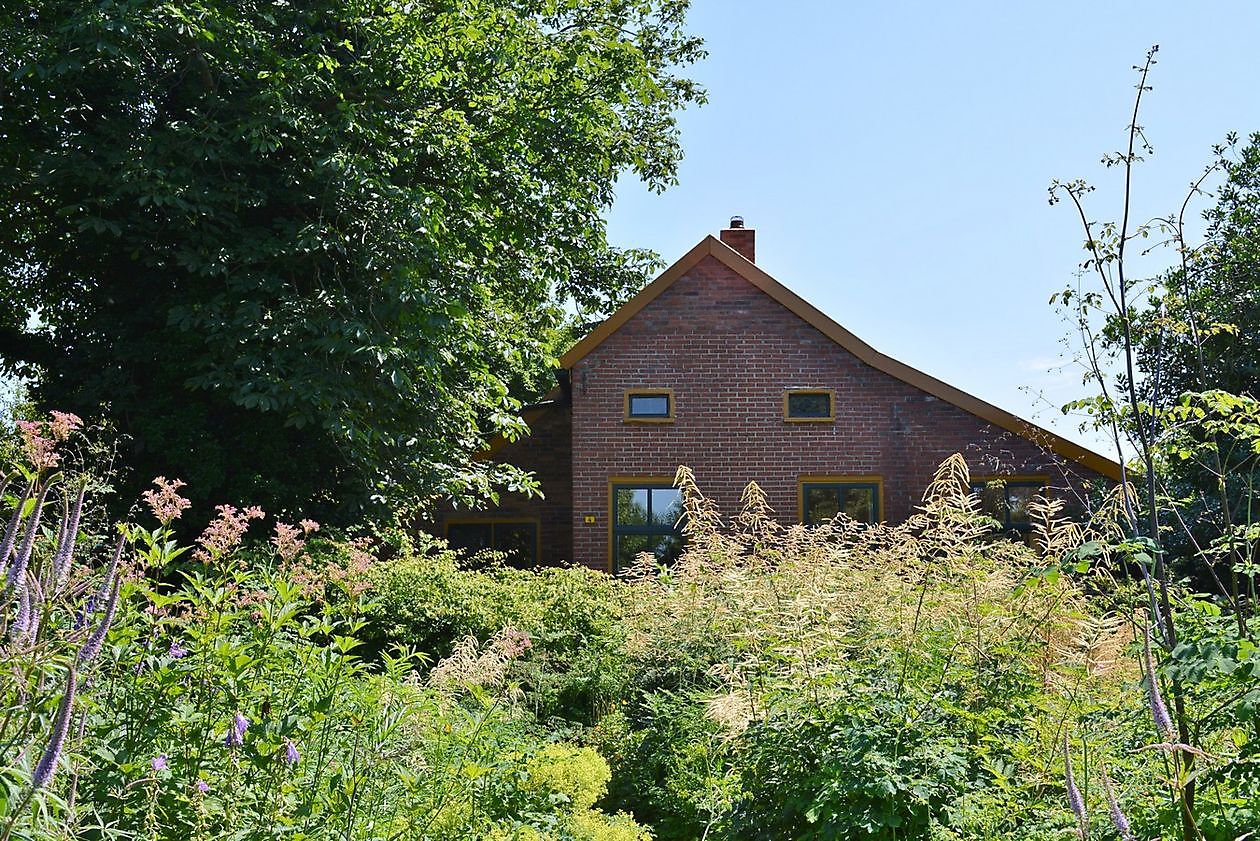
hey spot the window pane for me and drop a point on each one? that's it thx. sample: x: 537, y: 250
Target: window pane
x: 470, y: 536
x: 649, y: 405
x: 859, y: 503
x: 666, y: 548
x: 821, y: 504
x: 809, y: 405
x: 666, y: 506
x: 992, y: 499
x: 518, y: 541
x: 1018, y: 497
x: 632, y: 506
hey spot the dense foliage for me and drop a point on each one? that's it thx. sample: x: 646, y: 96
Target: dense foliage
x: 306, y: 250
x: 225, y: 700
x: 852, y: 681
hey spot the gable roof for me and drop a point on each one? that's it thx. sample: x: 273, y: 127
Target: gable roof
x: 710, y: 246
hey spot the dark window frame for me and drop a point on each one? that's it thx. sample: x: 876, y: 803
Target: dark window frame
x: 617, y: 530
x: 872, y: 483
x: 1038, y: 483
x: 667, y: 393
x: 788, y: 417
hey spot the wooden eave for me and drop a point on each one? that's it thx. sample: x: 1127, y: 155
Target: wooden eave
x: 710, y: 246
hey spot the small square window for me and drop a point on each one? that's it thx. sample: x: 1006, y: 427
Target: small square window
x: 653, y: 405
x: 809, y: 405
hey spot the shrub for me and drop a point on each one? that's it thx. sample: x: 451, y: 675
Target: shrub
x: 228, y: 700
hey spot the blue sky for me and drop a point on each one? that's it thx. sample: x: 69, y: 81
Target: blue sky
x: 894, y: 160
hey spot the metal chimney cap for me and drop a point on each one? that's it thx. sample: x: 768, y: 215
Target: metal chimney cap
x: 737, y: 221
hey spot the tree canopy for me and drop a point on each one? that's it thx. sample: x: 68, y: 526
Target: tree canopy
x: 299, y: 252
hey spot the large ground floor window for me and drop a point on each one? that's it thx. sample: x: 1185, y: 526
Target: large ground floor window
x: 822, y: 498
x: 517, y: 539
x: 645, y: 518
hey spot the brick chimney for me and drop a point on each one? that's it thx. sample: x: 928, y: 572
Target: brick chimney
x: 743, y: 240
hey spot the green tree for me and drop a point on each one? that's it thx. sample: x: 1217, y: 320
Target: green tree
x: 1196, y: 333
x: 299, y: 251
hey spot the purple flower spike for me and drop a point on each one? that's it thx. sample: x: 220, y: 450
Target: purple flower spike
x: 10, y: 534
x: 108, y: 584
x: 1163, y: 722
x: 177, y: 651
x: 159, y: 762
x: 1118, y: 819
x: 22, y: 619
x: 63, y: 559
x: 236, y: 733
x: 92, y: 647
x: 202, y: 786
x: 61, y: 726
x: 291, y: 754
x: 17, y: 573
x: 1075, y: 800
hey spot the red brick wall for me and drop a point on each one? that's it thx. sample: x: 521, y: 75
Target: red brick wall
x: 546, y: 452
x: 728, y: 351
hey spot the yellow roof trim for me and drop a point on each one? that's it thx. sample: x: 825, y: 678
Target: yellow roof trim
x: 711, y: 246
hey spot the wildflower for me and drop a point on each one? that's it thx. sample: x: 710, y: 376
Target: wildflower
x: 177, y: 651
x: 1163, y: 722
x: 202, y: 786
x: 288, y: 541
x: 291, y: 754
x: 515, y: 642
x: 65, y: 547
x: 17, y: 573
x: 22, y: 619
x: 10, y: 533
x: 166, y: 503
x: 63, y: 423
x: 308, y: 526
x: 225, y: 532
x: 236, y: 733
x: 159, y: 762
x: 93, y: 646
x: 61, y: 726
x: 1075, y: 800
x: 40, y: 451
x: 1118, y: 819
x: 85, y: 613
x: 111, y: 572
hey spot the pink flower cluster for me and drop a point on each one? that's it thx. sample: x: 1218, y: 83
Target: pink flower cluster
x: 289, y: 540
x: 39, y: 438
x: 225, y: 532
x: 165, y: 502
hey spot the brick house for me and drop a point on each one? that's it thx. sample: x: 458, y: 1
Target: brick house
x: 718, y: 366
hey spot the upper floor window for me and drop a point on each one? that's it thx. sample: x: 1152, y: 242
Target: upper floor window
x: 809, y: 405
x: 1006, y: 499
x: 822, y: 498
x: 646, y: 518
x: 651, y: 405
